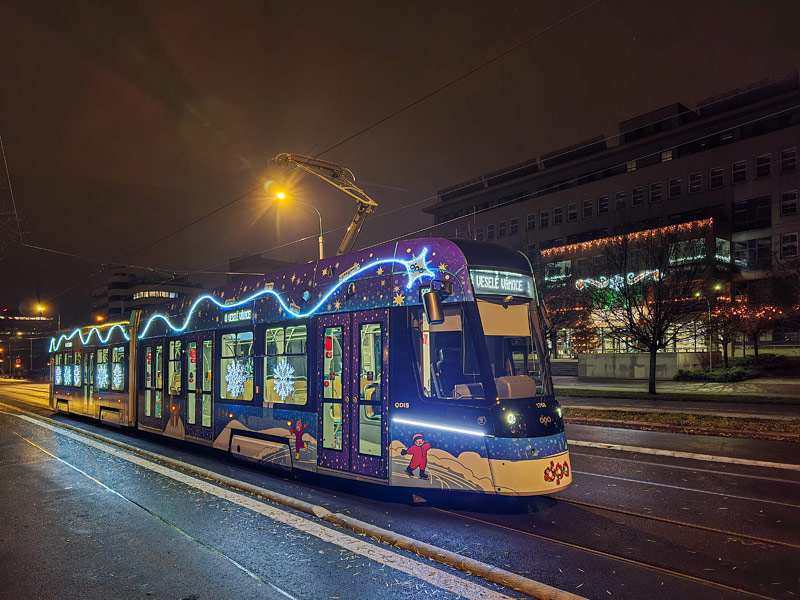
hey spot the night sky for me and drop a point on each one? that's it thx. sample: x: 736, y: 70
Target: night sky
x: 124, y: 121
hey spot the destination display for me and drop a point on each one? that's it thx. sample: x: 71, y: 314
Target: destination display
x: 235, y: 316
x: 502, y: 283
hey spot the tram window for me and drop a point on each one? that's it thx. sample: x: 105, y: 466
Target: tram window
x: 67, y: 368
x: 57, y: 371
x: 76, y: 370
x: 286, y: 365
x: 332, y: 363
x: 102, y: 377
x: 174, y: 368
x: 446, y: 357
x: 370, y: 389
x: 236, y: 366
x: 508, y: 339
x: 159, y: 380
x: 207, y: 362
x: 332, y: 425
x: 118, y: 368
x: 191, y: 384
x: 148, y: 379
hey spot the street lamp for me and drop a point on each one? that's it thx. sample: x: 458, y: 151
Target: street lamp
x: 717, y: 288
x: 282, y: 196
x: 40, y: 308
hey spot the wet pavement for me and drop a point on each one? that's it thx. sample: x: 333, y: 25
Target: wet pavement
x: 631, y: 525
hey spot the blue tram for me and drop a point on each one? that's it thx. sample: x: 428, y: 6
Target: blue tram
x: 409, y: 364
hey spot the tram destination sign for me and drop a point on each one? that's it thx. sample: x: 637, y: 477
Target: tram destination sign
x: 236, y: 316
x: 502, y: 283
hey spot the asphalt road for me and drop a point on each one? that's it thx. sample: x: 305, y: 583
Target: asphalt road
x: 634, y: 524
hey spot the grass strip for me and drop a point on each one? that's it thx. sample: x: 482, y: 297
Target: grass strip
x: 688, y: 420
x: 579, y: 392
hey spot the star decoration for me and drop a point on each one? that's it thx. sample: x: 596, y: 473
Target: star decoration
x: 383, y: 282
x: 442, y: 266
x: 399, y: 299
x: 380, y: 270
x: 417, y: 268
x: 337, y: 305
x: 396, y: 288
x: 293, y: 277
x: 329, y: 306
x: 325, y: 272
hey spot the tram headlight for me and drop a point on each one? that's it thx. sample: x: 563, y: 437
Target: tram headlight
x: 558, y: 411
x: 511, y: 418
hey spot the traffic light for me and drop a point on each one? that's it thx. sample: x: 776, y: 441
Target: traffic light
x: 18, y: 363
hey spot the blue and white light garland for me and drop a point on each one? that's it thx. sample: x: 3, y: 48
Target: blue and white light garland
x: 616, y: 282
x: 416, y: 269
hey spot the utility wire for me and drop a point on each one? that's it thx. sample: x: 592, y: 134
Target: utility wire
x: 11, y: 189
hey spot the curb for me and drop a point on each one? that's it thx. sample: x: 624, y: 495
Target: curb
x: 644, y: 426
x: 466, y: 565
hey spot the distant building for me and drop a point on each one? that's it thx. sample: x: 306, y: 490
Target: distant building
x: 732, y: 158
x: 126, y: 290
x: 23, y: 344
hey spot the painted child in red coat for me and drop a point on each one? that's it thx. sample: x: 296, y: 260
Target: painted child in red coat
x: 298, y: 430
x: 419, y: 455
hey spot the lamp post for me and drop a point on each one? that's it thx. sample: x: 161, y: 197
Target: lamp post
x: 282, y: 196
x: 41, y: 308
x: 717, y: 287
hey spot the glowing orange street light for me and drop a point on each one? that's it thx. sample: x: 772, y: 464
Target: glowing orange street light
x: 99, y: 318
x: 282, y: 196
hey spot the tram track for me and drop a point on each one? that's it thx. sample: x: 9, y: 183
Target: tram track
x: 678, y: 573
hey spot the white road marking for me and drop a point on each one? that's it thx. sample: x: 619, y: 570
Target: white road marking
x: 689, y: 455
x: 409, y: 566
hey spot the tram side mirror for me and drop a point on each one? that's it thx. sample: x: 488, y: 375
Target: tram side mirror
x: 432, y: 302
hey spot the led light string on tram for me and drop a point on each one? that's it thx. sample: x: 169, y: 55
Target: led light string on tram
x: 54, y: 345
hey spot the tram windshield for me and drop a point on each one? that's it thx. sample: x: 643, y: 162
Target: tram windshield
x: 447, y: 356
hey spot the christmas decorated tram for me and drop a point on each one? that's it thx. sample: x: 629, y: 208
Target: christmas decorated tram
x: 419, y: 363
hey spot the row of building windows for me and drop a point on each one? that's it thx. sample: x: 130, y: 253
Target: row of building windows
x: 750, y: 214
x: 716, y: 180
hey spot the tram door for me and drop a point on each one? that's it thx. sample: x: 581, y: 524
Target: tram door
x: 199, y: 386
x: 88, y: 382
x: 153, y: 382
x: 353, y: 370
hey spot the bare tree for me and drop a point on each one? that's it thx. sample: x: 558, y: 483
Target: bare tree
x: 649, y: 298
x: 565, y: 307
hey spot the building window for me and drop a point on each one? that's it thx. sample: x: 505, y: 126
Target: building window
x: 490, y: 232
x: 763, y: 166
x: 695, y: 183
x: 755, y: 213
x: 753, y: 255
x: 587, y: 208
x: 572, y: 212
x: 286, y: 364
x: 666, y: 155
x: 637, y: 196
x: 788, y: 160
x: 602, y: 205
x: 479, y: 233
x: 716, y: 178
x: 558, y: 216
x: 655, y: 192
x: 675, y: 187
x: 789, y: 203
x: 619, y: 201
x: 531, y: 248
x: 513, y: 227
x: 543, y: 219
x: 501, y: 229
x: 631, y: 166
x: 788, y: 245
x: 531, y: 222
x: 558, y: 271
x: 739, y: 171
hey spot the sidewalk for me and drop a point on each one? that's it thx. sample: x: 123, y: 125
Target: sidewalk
x: 768, y: 388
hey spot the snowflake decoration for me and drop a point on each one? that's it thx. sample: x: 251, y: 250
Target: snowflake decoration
x: 235, y: 379
x: 116, y: 376
x: 102, y: 377
x: 67, y: 375
x: 417, y: 268
x: 76, y: 374
x: 284, y: 379
x: 58, y: 375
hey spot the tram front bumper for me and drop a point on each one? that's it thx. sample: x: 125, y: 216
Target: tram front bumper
x: 529, y: 466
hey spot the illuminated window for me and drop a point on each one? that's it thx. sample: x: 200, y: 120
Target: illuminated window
x: 370, y: 394
x: 191, y: 383
x: 118, y: 368
x: 631, y: 166
x: 558, y: 271
x: 174, y: 375
x: 753, y: 255
x: 286, y: 365
x: 236, y: 366
x: 102, y: 377
x: 666, y: 155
